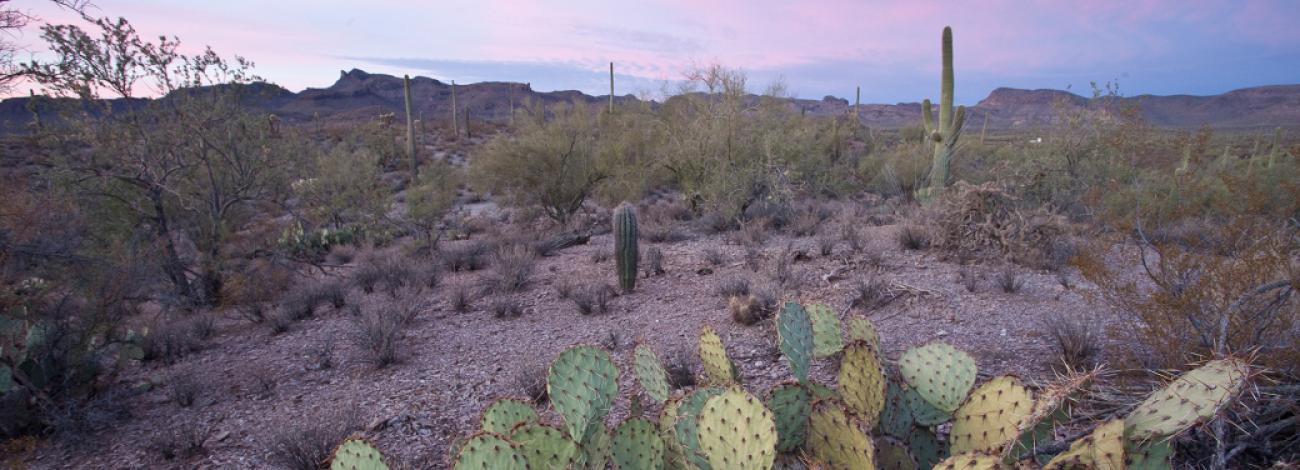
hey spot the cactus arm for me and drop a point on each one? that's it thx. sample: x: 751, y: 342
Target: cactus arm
x: 927, y: 117
x: 946, y: 123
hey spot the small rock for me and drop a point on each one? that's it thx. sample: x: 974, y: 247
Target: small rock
x: 942, y: 333
x: 377, y: 424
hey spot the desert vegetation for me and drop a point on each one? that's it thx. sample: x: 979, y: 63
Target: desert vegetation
x: 187, y: 280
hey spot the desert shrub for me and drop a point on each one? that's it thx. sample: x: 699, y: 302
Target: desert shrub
x: 305, y: 444
x: 969, y: 279
x: 378, y: 335
x: 182, y: 441
x: 913, y: 237
x: 654, y: 262
x: 167, y: 341
x: 551, y: 161
x: 663, y: 233
x: 1010, y: 281
x: 825, y: 246
x: 593, y: 299
x: 279, y: 321
x: 341, y: 254
x: 512, y: 269
x: 870, y: 293
x: 753, y: 258
x: 202, y: 326
x: 782, y: 270
x: 713, y: 223
x: 470, y: 256
x: 987, y: 222
x: 345, y: 191
x: 898, y: 170
x: 389, y: 273
x: 747, y: 310
x: 183, y: 389
x: 852, y: 238
x: 1235, y: 293
x: 1078, y: 339
x: 321, y: 354
x: 302, y: 302
x: 733, y: 287
x: 461, y: 299
x: 601, y: 255
x: 530, y: 380
x: 681, y: 364
x: 506, y: 307
x: 262, y: 381
x: 430, y: 198
x: 714, y: 257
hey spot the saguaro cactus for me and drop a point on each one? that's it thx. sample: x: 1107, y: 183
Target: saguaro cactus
x: 944, y: 135
x: 455, y: 124
x: 611, y: 88
x: 410, y: 128
x: 626, y: 252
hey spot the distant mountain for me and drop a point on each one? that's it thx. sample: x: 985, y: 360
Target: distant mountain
x: 358, y: 94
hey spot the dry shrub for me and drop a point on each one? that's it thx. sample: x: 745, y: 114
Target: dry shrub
x: 592, y: 299
x: 680, y: 365
x: 1193, y: 301
x: 469, y: 256
x: 307, y: 443
x: 734, y: 287
x: 654, y: 262
x: 749, y: 309
x: 986, y: 222
x: 530, y: 380
x: 512, y: 269
x: 379, y: 332
x: 1078, y: 339
x: 913, y: 237
x: 507, y: 307
x: 1010, y: 281
x: 183, y: 442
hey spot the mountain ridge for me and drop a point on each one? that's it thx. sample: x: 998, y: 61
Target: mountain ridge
x: 360, y: 94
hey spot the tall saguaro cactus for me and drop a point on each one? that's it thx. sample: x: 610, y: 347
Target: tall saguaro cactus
x: 625, y: 245
x: 455, y: 124
x: 611, y: 88
x: 944, y: 135
x: 410, y: 128
x: 857, y: 107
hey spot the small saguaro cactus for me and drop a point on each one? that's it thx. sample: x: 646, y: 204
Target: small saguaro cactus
x: 455, y: 124
x: 410, y: 127
x: 626, y: 252
x: 944, y: 135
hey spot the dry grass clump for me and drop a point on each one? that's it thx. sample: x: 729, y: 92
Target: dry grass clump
x: 913, y: 237
x: 1010, y: 281
x: 467, y: 256
x: 305, y: 444
x: 1078, y: 340
x: 512, y: 269
x: 592, y: 299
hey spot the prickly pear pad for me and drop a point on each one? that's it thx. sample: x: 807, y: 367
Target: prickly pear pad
x: 791, y: 404
x: 971, y: 461
x: 485, y: 450
x: 992, y: 417
x: 637, y: 446
x: 737, y: 432
x: 544, y: 447
x: 718, y: 368
x: 795, y: 332
x: 503, y: 415
x: 582, y: 383
x: 940, y: 373
x: 357, y: 454
x: 826, y: 330
x: 835, y: 438
x: 862, y: 382
x: 861, y: 329
x: 892, y: 454
x: 650, y: 373
x: 1196, y: 396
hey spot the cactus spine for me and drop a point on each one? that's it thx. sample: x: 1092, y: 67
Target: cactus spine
x: 626, y: 252
x: 944, y: 135
x: 410, y: 128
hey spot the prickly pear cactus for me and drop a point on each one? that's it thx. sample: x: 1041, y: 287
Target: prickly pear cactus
x: 862, y: 383
x: 485, y: 450
x: 892, y: 454
x: 826, y: 330
x: 650, y: 373
x: 737, y: 432
x: 861, y: 329
x: 1103, y: 449
x: 822, y: 392
x: 1196, y: 396
x: 544, y: 447
x: 795, y: 332
x: 503, y: 415
x: 791, y: 404
x: 582, y: 384
x: 357, y: 454
x: 626, y: 252
x: 718, y: 368
x: 896, y: 419
x: 940, y: 373
x: 674, y: 453
x: 594, y: 452
x: 925, y: 447
x: 1051, y: 408
x: 687, y: 425
x: 1150, y: 456
x: 837, y: 440
x: 973, y: 461
x: 637, y: 446
x: 992, y: 417
x: 923, y: 412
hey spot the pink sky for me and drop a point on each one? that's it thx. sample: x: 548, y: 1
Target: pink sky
x: 827, y: 47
